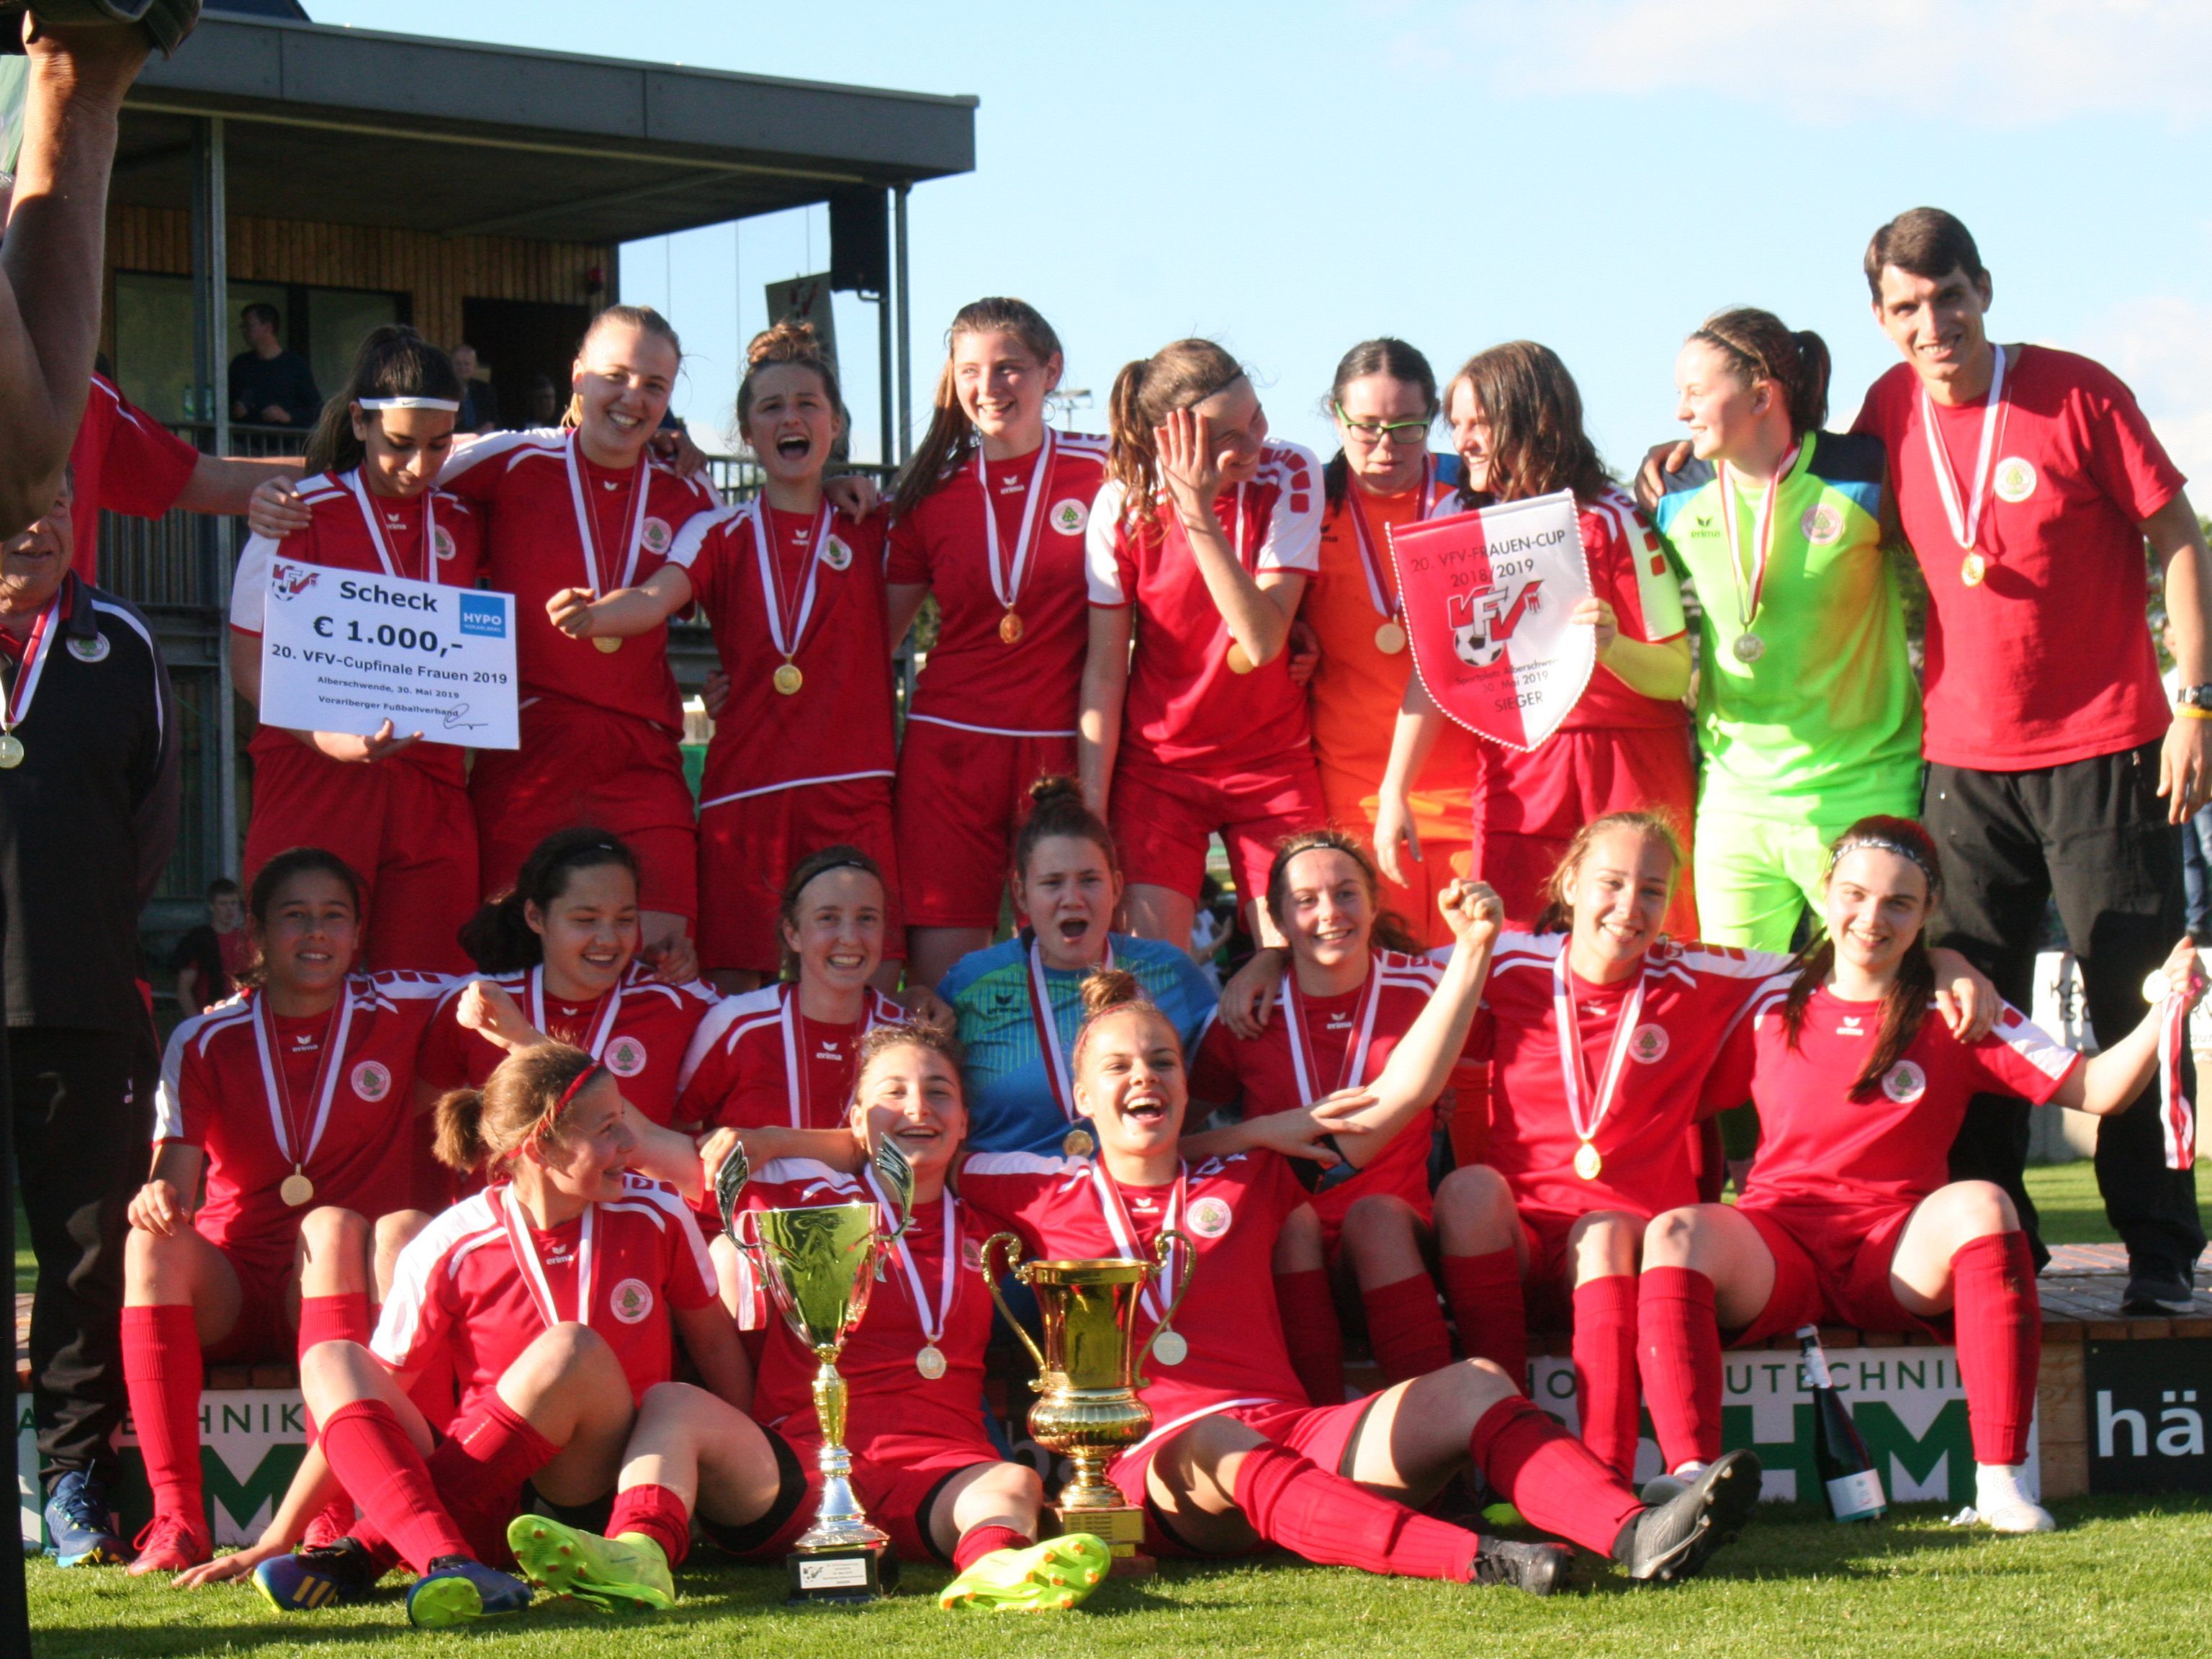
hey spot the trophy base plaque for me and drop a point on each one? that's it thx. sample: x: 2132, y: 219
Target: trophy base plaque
x: 848, y: 1577
x: 1122, y: 1527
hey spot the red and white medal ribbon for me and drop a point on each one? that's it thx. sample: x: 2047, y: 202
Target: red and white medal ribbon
x: 533, y: 1271
x: 1006, y: 586
x: 1370, y: 562
x: 2177, y: 1114
x: 276, y: 1084
x: 786, y: 631
x: 32, y: 669
x: 608, y: 1014
x: 596, y: 574
x: 1762, y: 538
x: 1046, y: 1019
x: 1352, y: 1069
x: 1966, y: 522
x: 1124, y: 1231
x: 930, y: 1360
x: 798, y: 1073
x: 1571, y: 1078
x: 392, y: 566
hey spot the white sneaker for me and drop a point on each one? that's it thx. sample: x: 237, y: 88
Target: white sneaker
x: 1665, y: 1488
x: 2003, y: 1503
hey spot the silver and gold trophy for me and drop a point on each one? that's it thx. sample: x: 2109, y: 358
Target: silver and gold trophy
x: 819, y: 1265
x: 1088, y: 1408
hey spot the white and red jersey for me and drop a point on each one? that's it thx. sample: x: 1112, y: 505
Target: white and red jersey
x: 125, y: 461
x: 434, y: 537
x: 1184, y: 702
x: 540, y: 492
x: 1040, y: 504
x: 263, y: 1095
x: 756, y: 1061
x: 639, y: 1031
x: 814, y: 593
x: 1693, y: 995
x: 480, y: 1284
x: 1317, y: 1045
x: 1818, y: 1146
x: 930, y: 1295
x: 1230, y: 1208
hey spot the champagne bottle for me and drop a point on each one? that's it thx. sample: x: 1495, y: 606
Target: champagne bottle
x: 1839, y: 1457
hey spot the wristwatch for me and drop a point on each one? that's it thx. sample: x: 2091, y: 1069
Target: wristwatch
x: 2194, y: 696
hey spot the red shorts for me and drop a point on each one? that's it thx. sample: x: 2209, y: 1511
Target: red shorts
x: 1548, y: 1290
x: 1323, y: 1435
x: 581, y: 765
x: 961, y: 795
x: 408, y: 834
x: 265, y: 1334
x: 1402, y: 1172
x: 1163, y: 815
x: 1831, y: 1267
x: 1527, y: 807
x: 895, y: 1491
x: 748, y: 847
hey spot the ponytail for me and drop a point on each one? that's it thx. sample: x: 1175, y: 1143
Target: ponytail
x: 1145, y: 392
x: 1760, y: 346
x: 499, y: 938
x: 951, y: 434
x: 1057, y: 808
x: 524, y: 1102
x: 1106, y: 992
x: 789, y: 341
x: 393, y: 361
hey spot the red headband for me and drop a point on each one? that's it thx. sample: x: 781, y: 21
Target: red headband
x: 551, y: 1115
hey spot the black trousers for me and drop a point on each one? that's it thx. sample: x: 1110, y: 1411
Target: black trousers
x: 2092, y: 834
x: 83, y: 1120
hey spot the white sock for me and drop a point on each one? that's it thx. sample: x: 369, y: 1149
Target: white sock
x: 1689, y: 1471
x: 1997, y: 1484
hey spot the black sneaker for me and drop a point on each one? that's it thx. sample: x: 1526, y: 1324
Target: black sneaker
x: 2154, y: 1288
x: 1539, y: 1569
x: 1674, y: 1540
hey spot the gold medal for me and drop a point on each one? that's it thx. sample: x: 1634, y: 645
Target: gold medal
x: 607, y: 642
x: 1076, y: 1142
x: 11, y: 750
x: 1240, y: 661
x: 1170, y: 1348
x: 1587, y: 1164
x: 1009, y: 626
x: 1973, y: 569
x: 788, y: 679
x: 297, y: 1189
x: 930, y: 1362
x: 1390, y: 639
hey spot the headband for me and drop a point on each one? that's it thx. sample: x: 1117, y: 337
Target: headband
x: 451, y: 406
x: 1885, y: 844
x: 551, y: 1115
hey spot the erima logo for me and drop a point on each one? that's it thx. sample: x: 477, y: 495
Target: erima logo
x: 1482, y: 621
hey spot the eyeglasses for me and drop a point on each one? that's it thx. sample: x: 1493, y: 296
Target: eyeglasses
x: 1373, y: 432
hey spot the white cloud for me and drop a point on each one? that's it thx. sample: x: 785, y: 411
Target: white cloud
x: 1985, y: 61
x: 2161, y: 346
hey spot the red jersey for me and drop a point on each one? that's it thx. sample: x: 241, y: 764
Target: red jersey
x: 122, y: 460
x: 931, y: 1296
x: 2048, y: 659
x: 814, y: 594
x: 480, y: 1284
x: 1230, y: 1208
x: 639, y: 1030
x: 1693, y: 996
x: 329, y: 1094
x: 1184, y: 702
x: 1316, y: 1045
x: 559, y: 520
x: 436, y: 537
x: 1818, y: 1146
x: 1040, y: 506
x: 756, y: 1061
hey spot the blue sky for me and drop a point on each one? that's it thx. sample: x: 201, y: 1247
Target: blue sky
x: 1597, y: 174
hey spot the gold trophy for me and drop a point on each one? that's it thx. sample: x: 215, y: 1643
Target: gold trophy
x: 1088, y: 1408
x: 819, y: 1265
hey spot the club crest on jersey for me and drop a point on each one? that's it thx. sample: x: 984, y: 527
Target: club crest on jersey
x: 1069, y: 517
x: 88, y: 647
x: 1209, y: 1217
x: 836, y: 553
x: 1482, y: 623
x: 1904, y: 1083
x: 372, y: 1079
x: 442, y: 543
x: 2014, y: 480
x: 1649, y: 1044
x: 1822, y: 524
x: 288, y: 580
x: 631, y: 1301
x: 656, y: 535
x: 625, y: 1056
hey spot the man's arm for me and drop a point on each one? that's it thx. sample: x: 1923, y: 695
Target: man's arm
x: 50, y: 260
x: 222, y: 483
x: 2184, y: 763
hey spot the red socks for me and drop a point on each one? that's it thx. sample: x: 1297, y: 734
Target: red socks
x: 1679, y: 1344
x: 1484, y: 1293
x: 371, y: 1454
x: 658, y: 1514
x: 977, y: 1543
x: 1605, y: 1370
x: 479, y: 1468
x: 1550, y: 1476
x: 162, y: 1373
x: 1998, y: 1325
x: 1406, y: 1328
x: 1308, y: 1310
x: 1328, y: 1520
x: 340, y: 1318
